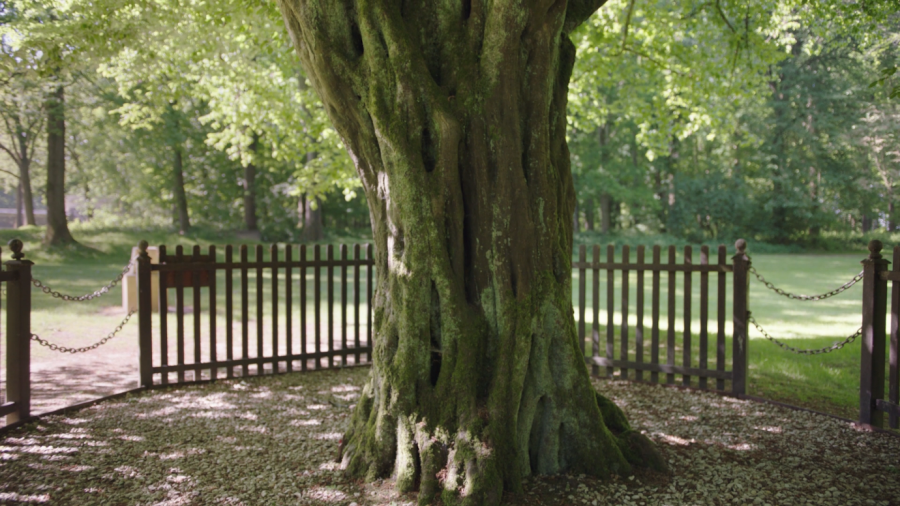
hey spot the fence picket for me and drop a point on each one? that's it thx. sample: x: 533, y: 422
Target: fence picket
x: 303, y: 351
x: 370, y: 255
x: 289, y: 306
x: 163, y: 319
x: 704, y: 314
x: 229, y: 309
x: 245, y: 310
x: 582, y: 302
x: 623, y: 351
x: 595, y: 328
x: 343, y: 249
x: 179, y: 314
x: 639, y: 310
x: 330, y: 274
x: 893, y: 377
x: 688, y: 289
x: 670, y: 315
x: 654, y: 310
x: 213, y: 355
x: 356, y: 291
x: 317, y: 298
x: 195, y: 312
x: 610, y: 308
x: 273, y: 256
x: 260, y: 345
x: 720, y: 314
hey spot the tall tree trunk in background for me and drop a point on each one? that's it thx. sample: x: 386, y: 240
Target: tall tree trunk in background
x: 891, y: 223
x: 313, y: 228
x: 26, y: 198
x: 181, y: 207
x: 589, y: 213
x: 250, y: 188
x: 57, y: 225
x: 455, y: 119
x: 605, y: 212
x: 575, y: 220
x: 19, y: 220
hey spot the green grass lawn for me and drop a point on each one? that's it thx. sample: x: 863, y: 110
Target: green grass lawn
x: 823, y: 382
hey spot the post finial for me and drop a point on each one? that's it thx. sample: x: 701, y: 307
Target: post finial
x: 875, y: 247
x: 741, y: 246
x: 142, y: 250
x: 16, y: 246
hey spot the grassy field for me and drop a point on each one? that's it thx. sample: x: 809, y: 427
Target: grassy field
x: 826, y: 382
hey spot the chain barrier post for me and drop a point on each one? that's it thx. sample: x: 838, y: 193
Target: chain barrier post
x: 145, y: 308
x: 740, y: 317
x: 874, y: 312
x: 18, y: 334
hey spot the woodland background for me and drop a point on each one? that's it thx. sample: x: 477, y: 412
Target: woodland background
x: 689, y: 120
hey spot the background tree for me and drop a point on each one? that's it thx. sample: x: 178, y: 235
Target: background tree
x: 23, y: 122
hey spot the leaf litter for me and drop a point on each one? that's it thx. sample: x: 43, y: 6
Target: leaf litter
x: 273, y: 440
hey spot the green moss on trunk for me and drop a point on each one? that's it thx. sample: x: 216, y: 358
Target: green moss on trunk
x: 455, y: 117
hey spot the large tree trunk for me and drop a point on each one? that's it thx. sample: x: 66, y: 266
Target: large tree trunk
x: 250, y: 188
x: 57, y: 225
x: 181, y: 207
x: 454, y: 114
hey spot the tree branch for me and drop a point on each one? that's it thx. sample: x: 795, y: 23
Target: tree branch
x: 627, y: 24
x: 652, y: 59
x: 578, y: 11
x: 10, y: 153
x: 722, y: 15
x: 10, y: 173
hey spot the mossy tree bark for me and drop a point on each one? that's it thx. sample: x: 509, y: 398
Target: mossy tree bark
x: 454, y: 114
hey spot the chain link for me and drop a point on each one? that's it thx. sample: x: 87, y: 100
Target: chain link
x: 819, y: 351
x: 88, y: 296
x: 820, y: 296
x: 63, y: 349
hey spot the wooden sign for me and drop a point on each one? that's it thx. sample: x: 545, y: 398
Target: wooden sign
x: 188, y: 278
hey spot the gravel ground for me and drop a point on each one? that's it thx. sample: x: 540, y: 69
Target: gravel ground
x: 272, y: 440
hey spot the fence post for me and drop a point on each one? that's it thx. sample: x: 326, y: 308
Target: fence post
x: 874, y: 304
x: 145, y: 314
x: 18, y: 334
x: 740, y: 317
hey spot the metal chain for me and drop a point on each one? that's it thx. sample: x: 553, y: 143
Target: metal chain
x: 821, y: 296
x: 63, y: 349
x: 819, y: 351
x: 88, y: 296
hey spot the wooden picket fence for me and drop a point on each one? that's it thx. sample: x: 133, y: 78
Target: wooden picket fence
x: 283, y: 313
x: 633, y: 359
x: 873, y: 404
x: 277, y: 344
